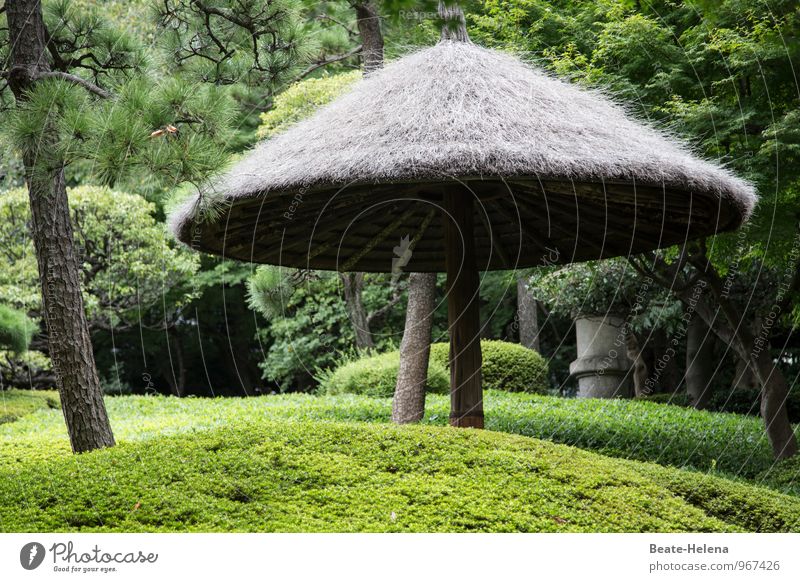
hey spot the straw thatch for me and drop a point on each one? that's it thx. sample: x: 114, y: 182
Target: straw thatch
x: 558, y: 171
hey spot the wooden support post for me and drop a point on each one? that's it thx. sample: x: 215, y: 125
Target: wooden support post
x: 463, y: 313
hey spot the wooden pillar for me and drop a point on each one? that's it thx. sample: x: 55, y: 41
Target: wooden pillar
x: 463, y: 313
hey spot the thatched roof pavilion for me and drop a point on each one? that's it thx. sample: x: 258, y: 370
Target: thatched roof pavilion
x: 554, y: 167
x: 479, y: 162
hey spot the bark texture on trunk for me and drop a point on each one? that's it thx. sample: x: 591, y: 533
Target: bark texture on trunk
x: 463, y: 311
x: 353, y: 290
x: 699, y: 363
x: 368, y: 22
x: 527, y: 316
x: 70, y: 346
x: 408, y: 404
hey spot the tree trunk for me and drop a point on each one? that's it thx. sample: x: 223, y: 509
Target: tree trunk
x: 176, y: 378
x: 743, y: 378
x: 774, y: 393
x: 699, y: 363
x: 772, y: 384
x: 368, y: 22
x: 463, y: 310
x: 664, y: 363
x: 353, y: 287
x: 415, y: 349
x: 62, y: 304
x: 527, y: 316
x: 639, y: 370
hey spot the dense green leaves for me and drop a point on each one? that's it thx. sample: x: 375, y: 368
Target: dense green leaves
x: 376, y: 375
x: 129, y: 264
x: 16, y: 329
x: 274, y: 464
x: 506, y: 366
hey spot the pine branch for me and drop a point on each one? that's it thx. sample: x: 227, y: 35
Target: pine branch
x: 91, y: 87
x: 350, y: 32
x: 327, y: 61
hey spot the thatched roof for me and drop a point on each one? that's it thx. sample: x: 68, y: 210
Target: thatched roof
x: 555, y: 167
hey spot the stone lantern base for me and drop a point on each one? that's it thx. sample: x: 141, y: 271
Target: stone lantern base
x: 602, y: 367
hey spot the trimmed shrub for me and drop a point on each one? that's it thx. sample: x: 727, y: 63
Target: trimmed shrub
x: 506, y: 366
x: 16, y: 329
x: 376, y: 375
x: 783, y: 476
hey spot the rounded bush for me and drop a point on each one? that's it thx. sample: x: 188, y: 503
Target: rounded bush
x: 376, y: 375
x: 506, y: 366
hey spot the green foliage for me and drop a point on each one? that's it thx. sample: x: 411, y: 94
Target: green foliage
x: 251, y: 42
x: 784, y: 476
x: 506, y: 366
x: 321, y: 476
x: 302, y: 99
x: 15, y: 404
x: 129, y: 265
x: 309, y: 327
x: 16, y: 329
x: 376, y: 375
x: 609, y: 287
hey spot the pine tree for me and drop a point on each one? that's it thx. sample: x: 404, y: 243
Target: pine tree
x: 84, y: 91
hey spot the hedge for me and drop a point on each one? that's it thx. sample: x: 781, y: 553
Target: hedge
x: 506, y: 366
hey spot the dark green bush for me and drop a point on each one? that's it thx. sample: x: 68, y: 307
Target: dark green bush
x: 506, y: 366
x: 376, y: 375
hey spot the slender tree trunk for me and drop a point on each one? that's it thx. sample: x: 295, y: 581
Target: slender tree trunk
x: 62, y: 304
x: 527, y: 316
x: 353, y: 288
x: 639, y: 369
x: 743, y: 376
x: 699, y: 363
x: 415, y: 349
x: 774, y: 392
x: 176, y: 376
x: 368, y: 22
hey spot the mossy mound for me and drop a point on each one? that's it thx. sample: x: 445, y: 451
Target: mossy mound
x: 327, y: 476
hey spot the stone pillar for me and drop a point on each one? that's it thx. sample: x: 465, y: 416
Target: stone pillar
x: 602, y: 367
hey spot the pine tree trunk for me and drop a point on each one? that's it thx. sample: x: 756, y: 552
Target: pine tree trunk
x: 69, y: 342
x: 699, y: 363
x: 527, y: 316
x: 415, y: 349
x: 369, y: 29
